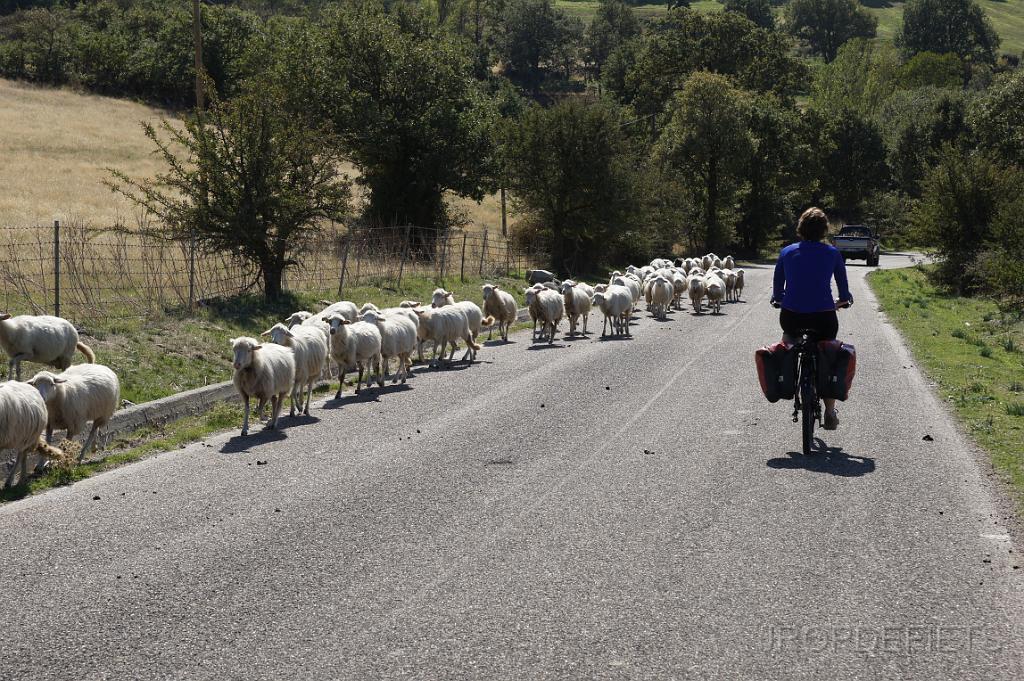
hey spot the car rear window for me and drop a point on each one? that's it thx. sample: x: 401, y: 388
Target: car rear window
x: 855, y: 231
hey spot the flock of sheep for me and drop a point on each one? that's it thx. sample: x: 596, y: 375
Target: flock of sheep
x: 299, y: 351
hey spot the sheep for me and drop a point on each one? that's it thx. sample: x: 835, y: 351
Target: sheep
x: 354, y: 344
x: 310, y: 349
x: 265, y: 371
x: 697, y: 289
x: 345, y: 308
x: 399, y: 337
x: 680, y: 287
x: 586, y: 288
x: 84, y: 392
x: 729, y: 263
x: 500, y: 307
x: 444, y: 325
x: 706, y: 262
x: 441, y: 297
x: 648, y: 283
x: 23, y: 419
x: 577, y: 304
x: 738, y: 292
x: 474, y: 315
x: 635, y: 287
x: 716, y: 292
x: 548, y: 307
x: 662, y: 293
x: 43, y: 339
x: 539, y: 276
x: 616, y: 303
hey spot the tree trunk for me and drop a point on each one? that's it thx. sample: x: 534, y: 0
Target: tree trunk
x: 273, y: 273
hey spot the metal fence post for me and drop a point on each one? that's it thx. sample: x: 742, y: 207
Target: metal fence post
x: 462, y: 270
x: 344, y: 263
x: 192, y: 271
x: 405, y: 254
x: 56, y: 268
x: 483, y: 254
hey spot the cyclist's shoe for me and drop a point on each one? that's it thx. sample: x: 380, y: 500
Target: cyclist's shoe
x: 831, y: 419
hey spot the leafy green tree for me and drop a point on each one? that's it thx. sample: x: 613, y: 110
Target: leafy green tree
x: 569, y: 171
x: 930, y: 69
x: 707, y: 144
x: 247, y: 179
x: 862, y: 76
x: 997, y: 117
x: 948, y: 26
x: 758, y: 11
x: 686, y: 41
x: 613, y: 24
x: 534, y: 38
x: 854, y: 161
x: 1002, y: 262
x: 826, y: 24
x: 962, y: 195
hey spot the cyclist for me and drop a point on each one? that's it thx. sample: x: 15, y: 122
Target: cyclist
x: 803, y: 288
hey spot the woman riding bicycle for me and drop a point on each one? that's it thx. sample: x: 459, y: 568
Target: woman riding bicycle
x: 803, y: 288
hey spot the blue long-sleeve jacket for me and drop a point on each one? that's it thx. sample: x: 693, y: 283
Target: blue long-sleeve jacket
x: 803, y: 277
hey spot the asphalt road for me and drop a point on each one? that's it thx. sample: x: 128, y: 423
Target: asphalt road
x: 619, y: 509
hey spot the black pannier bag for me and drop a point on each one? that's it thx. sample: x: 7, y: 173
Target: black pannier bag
x: 837, y: 365
x: 776, y: 370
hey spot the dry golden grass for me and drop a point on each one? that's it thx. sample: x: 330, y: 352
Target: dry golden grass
x: 56, y: 147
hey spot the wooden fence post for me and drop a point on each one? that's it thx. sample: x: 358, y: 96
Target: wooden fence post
x: 405, y: 254
x: 56, y: 268
x: 344, y: 262
x: 462, y: 270
x: 483, y: 254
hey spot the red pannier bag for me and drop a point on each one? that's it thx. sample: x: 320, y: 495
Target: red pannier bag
x: 776, y: 370
x: 837, y: 365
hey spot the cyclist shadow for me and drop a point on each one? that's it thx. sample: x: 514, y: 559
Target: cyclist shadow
x: 825, y: 459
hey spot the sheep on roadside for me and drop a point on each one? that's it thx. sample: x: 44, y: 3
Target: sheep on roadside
x: 444, y: 325
x: 43, y: 339
x: 354, y: 344
x: 738, y: 291
x: 616, y: 303
x: 715, y: 292
x: 697, y: 290
x: 399, y: 338
x: 23, y: 419
x: 474, y: 315
x: 501, y: 308
x: 662, y: 293
x: 729, y: 263
x: 310, y: 349
x: 84, y: 392
x: 548, y: 307
x: 345, y: 308
x: 577, y: 305
x: 586, y: 288
x: 265, y: 371
x: 635, y: 287
x: 679, y: 286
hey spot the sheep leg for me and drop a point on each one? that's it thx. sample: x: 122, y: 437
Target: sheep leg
x: 89, y: 441
x: 359, y: 378
x: 341, y: 383
x: 49, y: 434
x: 245, y: 417
x: 295, y: 389
x: 309, y: 398
x: 14, y: 366
x: 14, y: 470
x: 585, y: 317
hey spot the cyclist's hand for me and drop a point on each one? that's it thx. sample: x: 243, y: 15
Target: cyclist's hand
x: 841, y: 304
x: 774, y: 303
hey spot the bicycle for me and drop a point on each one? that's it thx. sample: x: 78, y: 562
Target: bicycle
x: 806, y: 403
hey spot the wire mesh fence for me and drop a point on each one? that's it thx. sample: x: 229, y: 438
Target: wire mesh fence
x: 86, y: 273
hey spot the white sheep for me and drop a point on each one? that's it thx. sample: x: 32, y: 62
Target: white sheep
x: 441, y: 297
x: 404, y: 310
x: 738, y: 292
x: 679, y: 285
x: 345, y: 308
x: 265, y: 371
x: 500, y: 307
x: 577, y: 305
x: 22, y: 422
x: 729, y: 263
x: 399, y: 336
x: 715, y: 292
x: 354, y: 344
x: 474, y: 315
x: 43, y: 339
x: 310, y: 348
x: 616, y: 303
x: 445, y: 325
x: 662, y: 293
x: 548, y: 307
x: 84, y: 392
x: 697, y: 290
x: 632, y: 283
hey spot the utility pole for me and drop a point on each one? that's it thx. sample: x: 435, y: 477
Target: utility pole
x: 197, y: 40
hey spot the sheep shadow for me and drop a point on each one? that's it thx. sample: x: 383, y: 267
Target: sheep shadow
x: 456, y: 365
x: 575, y: 337
x: 825, y: 459
x: 300, y: 420
x: 243, y: 443
x: 497, y: 343
x: 365, y: 395
x: 544, y: 345
x: 616, y: 337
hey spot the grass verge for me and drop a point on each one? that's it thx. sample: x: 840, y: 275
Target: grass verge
x: 973, y: 353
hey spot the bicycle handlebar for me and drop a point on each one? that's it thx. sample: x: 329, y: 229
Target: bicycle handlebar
x: 840, y: 304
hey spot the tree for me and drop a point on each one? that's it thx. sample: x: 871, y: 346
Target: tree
x: 930, y: 69
x: 861, y: 77
x: 827, y: 24
x: 1002, y: 262
x: 854, y: 166
x: 254, y: 181
x: 532, y: 38
x: 997, y: 117
x: 706, y: 143
x: 758, y: 11
x: 568, y: 169
x: 613, y: 24
x: 948, y: 26
x: 962, y: 196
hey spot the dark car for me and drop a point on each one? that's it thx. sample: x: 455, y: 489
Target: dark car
x: 858, y: 242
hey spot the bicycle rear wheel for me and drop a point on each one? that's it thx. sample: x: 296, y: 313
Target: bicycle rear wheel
x: 808, y: 401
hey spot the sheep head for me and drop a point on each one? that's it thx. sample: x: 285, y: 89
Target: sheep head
x: 46, y: 383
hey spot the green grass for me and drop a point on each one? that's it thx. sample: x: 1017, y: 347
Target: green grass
x: 586, y: 9
x: 1007, y: 17
x: 156, y: 358
x: 972, y: 352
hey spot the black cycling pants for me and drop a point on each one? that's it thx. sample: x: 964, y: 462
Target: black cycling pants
x: 824, y: 324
